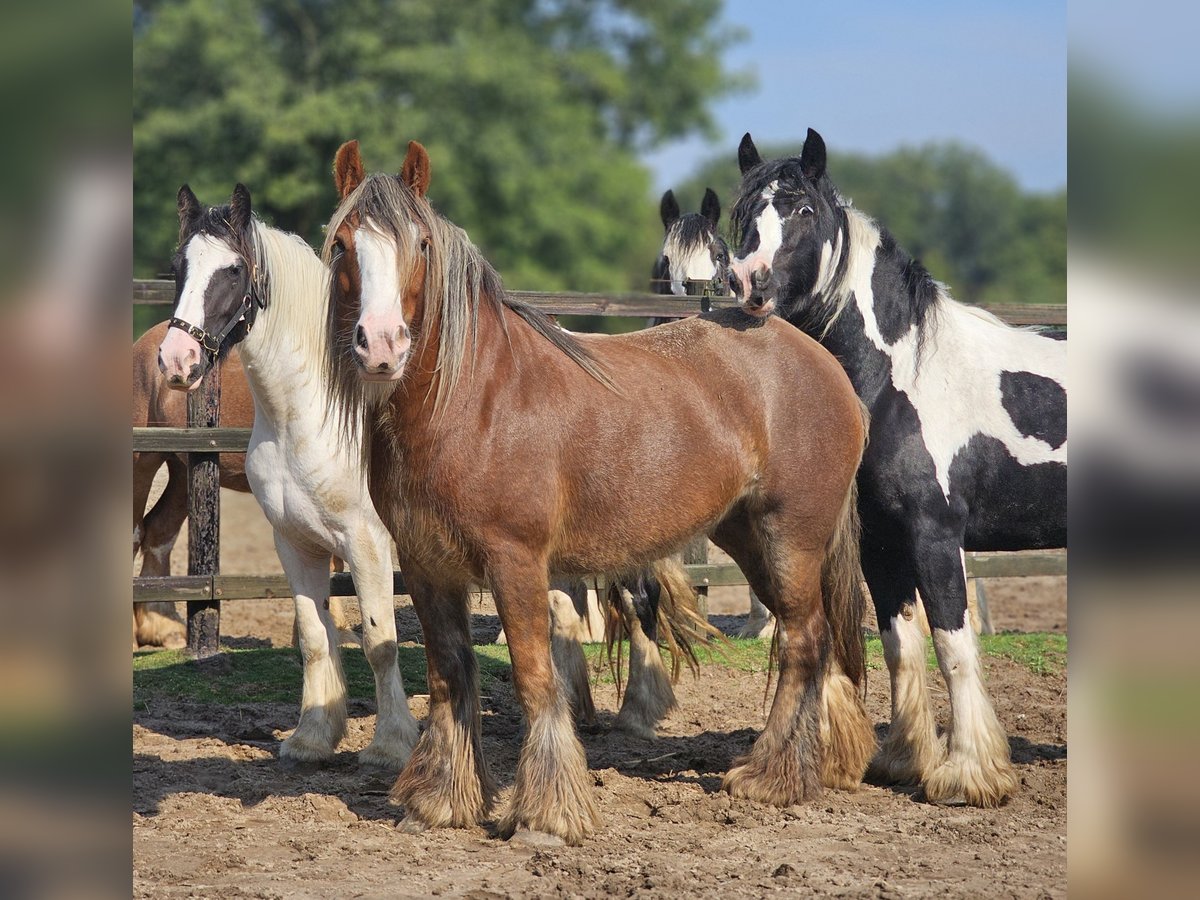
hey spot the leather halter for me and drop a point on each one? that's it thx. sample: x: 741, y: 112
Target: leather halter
x: 212, y: 342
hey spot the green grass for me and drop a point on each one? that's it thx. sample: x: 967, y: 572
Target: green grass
x: 274, y: 675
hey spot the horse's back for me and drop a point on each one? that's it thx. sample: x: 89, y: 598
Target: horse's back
x: 157, y: 406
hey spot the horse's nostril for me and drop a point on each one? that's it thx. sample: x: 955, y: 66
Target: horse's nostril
x: 360, y: 337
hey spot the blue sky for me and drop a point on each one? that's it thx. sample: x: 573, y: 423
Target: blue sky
x: 871, y: 76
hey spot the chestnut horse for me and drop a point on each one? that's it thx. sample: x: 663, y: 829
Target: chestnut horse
x: 501, y: 449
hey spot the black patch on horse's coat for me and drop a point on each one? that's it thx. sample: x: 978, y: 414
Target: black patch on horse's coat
x: 660, y: 276
x: 898, y: 276
x: 222, y: 295
x: 1036, y: 404
x: 1009, y: 508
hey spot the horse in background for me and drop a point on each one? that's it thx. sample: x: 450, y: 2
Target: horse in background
x: 752, y: 432
x: 967, y: 449
x: 241, y: 283
x: 694, y: 251
x: 156, y: 530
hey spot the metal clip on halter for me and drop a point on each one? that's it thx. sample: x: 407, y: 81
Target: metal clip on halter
x: 212, y: 342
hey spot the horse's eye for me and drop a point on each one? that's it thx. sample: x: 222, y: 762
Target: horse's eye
x: 806, y: 211
x: 424, y: 245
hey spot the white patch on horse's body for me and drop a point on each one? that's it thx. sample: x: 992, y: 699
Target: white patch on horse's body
x: 953, y: 380
x: 978, y: 768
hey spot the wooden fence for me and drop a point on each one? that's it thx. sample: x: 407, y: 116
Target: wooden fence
x: 203, y: 588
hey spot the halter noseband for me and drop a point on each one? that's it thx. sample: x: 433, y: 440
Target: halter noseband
x: 212, y: 342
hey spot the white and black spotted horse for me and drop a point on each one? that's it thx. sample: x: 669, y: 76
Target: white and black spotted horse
x: 968, y: 445
x: 695, y: 255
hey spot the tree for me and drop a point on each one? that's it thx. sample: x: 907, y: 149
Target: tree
x: 532, y: 112
x: 949, y: 206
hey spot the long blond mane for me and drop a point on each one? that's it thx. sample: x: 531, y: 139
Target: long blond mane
x: 458, y: 283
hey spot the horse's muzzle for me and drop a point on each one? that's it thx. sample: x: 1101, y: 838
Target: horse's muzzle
x: 759, y: 306
x: 182, y: 361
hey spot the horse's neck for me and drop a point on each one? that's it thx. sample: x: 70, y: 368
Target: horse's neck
x: 866, y: 347
x: 284, y: 353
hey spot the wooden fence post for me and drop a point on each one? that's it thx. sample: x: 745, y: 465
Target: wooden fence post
x: 204, y: 519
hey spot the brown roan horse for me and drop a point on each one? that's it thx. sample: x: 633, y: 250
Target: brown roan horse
x: 501, y: 449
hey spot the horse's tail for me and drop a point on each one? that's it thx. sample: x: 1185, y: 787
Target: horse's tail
x: 842, y: 593
x: 846, y: 731
x: 680, y: 625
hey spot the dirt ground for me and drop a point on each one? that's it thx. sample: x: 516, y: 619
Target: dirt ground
x: 215, y: 814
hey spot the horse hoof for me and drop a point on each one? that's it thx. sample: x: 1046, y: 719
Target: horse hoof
x: 411, y: 825
x: 539, y: 840
x: 953, y: 800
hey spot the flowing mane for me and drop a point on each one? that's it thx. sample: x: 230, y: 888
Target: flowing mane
x: 458, y: 282
x: 287, y: 265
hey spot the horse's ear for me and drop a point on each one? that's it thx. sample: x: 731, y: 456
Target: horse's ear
x: 240, y: 210
x: 348, y: 172
x: 748, y: 156
x: 189, y: 209
x: 812, y: 157
x: 415, y: 171
x: 668, y: 209
x: 710, y: 207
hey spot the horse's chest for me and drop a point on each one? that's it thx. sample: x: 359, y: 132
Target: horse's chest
x: 307, y: 500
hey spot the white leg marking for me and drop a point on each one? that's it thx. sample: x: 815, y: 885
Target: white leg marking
x: 396, y: 730
x: 911, y: 749
x: 978, y: 770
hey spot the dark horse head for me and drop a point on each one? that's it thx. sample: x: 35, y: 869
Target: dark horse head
x: 693, y: 254
x: 789, y: 227
x: 218, y: 286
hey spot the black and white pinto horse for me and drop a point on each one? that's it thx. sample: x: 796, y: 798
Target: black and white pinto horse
x: 693, y: 250
x: 967, y: 450
x: 695, y: 255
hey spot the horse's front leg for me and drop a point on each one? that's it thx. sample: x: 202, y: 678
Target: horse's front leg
x: 446, y: 781
x: 396, y: 730
x: 978, y: 769
x: 552, y: 796
x: 323, y: 698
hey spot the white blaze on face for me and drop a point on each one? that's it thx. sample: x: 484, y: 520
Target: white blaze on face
x: 770, y: 238
x: 384, y: 336
x: 180, y: 351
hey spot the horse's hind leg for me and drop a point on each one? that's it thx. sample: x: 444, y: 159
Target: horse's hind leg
x: 552, y: 793
x: 784, y: 765
x: 648, y: 695
x: 760, y: 623
x: 978, y: 769
x: 396, y: 730
x: 323, y: 697
x: 158, y: 624
x: 446, y: 781
x: 569, y: 626
x: 911, y: 750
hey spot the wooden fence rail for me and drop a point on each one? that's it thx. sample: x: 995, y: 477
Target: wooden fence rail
x: 204, y: 587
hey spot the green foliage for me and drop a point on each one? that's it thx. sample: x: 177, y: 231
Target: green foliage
x: 275, y: 675
x: 532, y: 112
x: 949, y: 206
